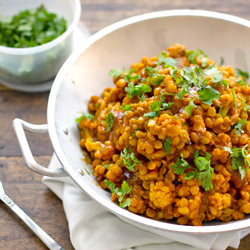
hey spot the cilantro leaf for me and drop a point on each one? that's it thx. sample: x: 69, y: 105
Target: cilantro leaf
x: 116, y: 72
x: 85, y: 116
x: 126, y: 107
x: 214, y: 73
x: 183, y: 91
x: 240, y: 160
x: 151, y: 114
x: 180, y: 166
x: 243, y: 74
x: 239, y: 81
x: 128, y: 159
x: 205, y: 174
x: 239, y: 126
x: 138, y: 90
x: 129, y: 77
x: 208, y: 94
x: 167, y: 144
x: 188, y: 109
x: 235, y: 103
x: 193, y: 56
x: 109, y: 120
x: 120, y: 192
x: 166, y: 61
x: 157, y: 80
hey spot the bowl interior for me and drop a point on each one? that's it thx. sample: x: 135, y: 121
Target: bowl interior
x: 85, y: 74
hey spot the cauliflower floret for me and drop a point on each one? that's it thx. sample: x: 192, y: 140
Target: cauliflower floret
x: 160, y: 195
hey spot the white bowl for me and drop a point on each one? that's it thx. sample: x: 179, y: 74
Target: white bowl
x: 36, y: 65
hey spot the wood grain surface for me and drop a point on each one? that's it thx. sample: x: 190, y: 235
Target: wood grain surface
x: 24, y: 186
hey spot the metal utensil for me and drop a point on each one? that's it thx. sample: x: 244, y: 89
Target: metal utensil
x: 49, y: 242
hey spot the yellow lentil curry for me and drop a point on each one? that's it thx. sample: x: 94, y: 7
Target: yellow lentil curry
x: 171, y: 139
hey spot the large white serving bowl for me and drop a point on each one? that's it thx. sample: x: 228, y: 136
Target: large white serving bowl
x: 85, y: 73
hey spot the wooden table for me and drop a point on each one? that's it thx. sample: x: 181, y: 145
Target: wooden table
x: 24, y: 186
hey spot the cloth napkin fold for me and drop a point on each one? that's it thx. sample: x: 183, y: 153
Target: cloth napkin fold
x: 92, y: 227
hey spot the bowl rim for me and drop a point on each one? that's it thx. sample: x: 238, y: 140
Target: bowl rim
x: 51, y: 44
x: 77, y: 178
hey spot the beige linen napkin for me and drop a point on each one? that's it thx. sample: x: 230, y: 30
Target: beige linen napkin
x: 92, y: 227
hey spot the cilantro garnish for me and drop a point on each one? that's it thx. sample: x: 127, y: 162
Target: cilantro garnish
x: 155, y: 107
x: 31, y: 28
x: 208, y: 94
x: 85, y: 116
x: 241, y: 82
x: 166, y: 61
x: 239, y: 126
x: 221, y: 61
x: 109, y: 120
x: 128, y: 159
x: 239, y: 159
x: 138, y: 90
x: 116, y: 72
x: 129, y: 77
x: 120, y: 192
x: 126, y: 107
x: 205, y: 174
x: 243, y: 74
x: 106, y: 166
x: 235, y: 103
x: 203, y: 171
x: 188, y: 109
x: 183, y: 91
x: 167, y: 144
x: 156, y: 81
x: 193, y: 56
x: 180, y: 166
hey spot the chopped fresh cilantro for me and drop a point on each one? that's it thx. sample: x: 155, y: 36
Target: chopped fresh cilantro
x: 30, y: 28
x: 85, y: 116
x: 180, y: 166
x: 243, y: 74
x: 167, y: 144
x: 188, y: 109
x: 120, y: 192
x: 235, y: 103
x: 109, y: 120
x: 128, y: 159
x: 241, y: 82
x: 166, y: 61
x: 221, y: 61
x: 193, y: 56
x: 106, y: 166
x: 208, y: 94
x: 129, y: 77
x: 116, y: 72
x: 156, y: 81
x: 214, y: 73
x: 138, y: 90
x: 155, y: 107
x: 126, y: 107
x: 239, y: 126
x: 203, y: 171
x: 183, y: 91
x: 239, y: 159
x: 205, y: 174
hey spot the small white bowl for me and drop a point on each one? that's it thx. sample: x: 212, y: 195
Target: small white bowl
x: 21, y: 67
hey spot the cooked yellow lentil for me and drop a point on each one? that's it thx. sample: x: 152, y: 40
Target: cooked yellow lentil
x: 171, y: 138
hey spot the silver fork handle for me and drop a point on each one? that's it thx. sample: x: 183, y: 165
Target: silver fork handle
x: 48, y: 241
